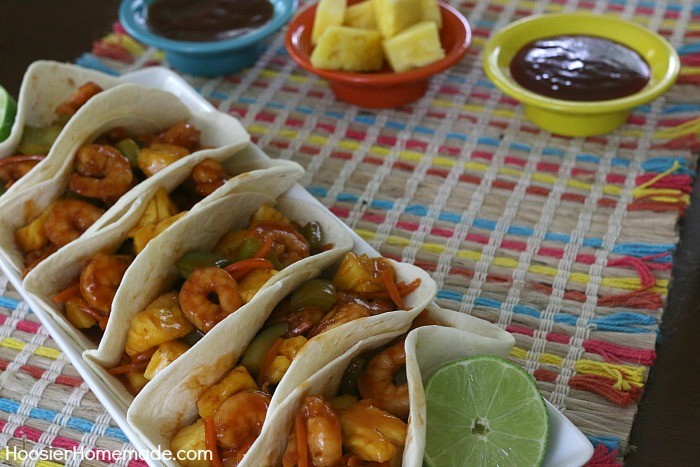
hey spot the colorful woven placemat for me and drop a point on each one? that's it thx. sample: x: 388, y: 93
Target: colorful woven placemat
x: 567, y: 243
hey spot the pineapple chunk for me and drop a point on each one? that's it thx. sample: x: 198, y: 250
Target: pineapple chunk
x: 350, y: 49
x: 253, y: 282
x: 328, y: 13
x: 393, y: 16
x: 167, y: 353
x: 159, y: 208
x: 267, y: 213
x: 145, y: 234
x: 230, y: 243
x: 360, y: 15
x: 416, y: 46
x: 161, y: 321
x: 76, y: 316
x: 135, y: 381
x: 190, y: 438
x: 358, y: 274
x: 235, y: 381
x: 431, y: 12
x: 32, y: 236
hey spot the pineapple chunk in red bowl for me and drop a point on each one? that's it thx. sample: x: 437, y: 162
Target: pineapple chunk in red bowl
x: 381, y: 87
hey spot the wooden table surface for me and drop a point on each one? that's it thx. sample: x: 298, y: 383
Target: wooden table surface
x: 667, y: 430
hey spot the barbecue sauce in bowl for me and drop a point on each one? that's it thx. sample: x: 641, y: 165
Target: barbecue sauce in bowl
x: 579, y: 68
x: 207, y: 20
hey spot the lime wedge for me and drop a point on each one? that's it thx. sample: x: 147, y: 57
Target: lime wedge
x: 8, y: 109
x: 484, y: 411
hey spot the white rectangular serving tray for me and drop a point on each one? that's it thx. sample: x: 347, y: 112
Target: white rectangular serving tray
x: 567, y: 446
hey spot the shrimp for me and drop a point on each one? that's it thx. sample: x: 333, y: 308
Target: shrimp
x: 208, y: 175
x: 101, y: 172
x: 100, y: 280
x: 239, y: 420
x: 16, y: 167
x: 76, y: 100
x: 288, y: 244
x: 371, y: 433
x: 197, y: 301
x: 181, y: 134
x: 68, y: 219
x: 376, y: 381
x: 340, y: 315
x: 323, y: 434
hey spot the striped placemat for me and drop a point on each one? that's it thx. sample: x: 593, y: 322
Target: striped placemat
x: 567, y: 243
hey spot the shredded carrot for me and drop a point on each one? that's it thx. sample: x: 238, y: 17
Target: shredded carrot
x: 128, y: 368
x: 67, y: 294
x: 327, y: 246
x: 102, y: 322
x: 21, y: 158
x: 264, y: 249
x: 403, y: 288
x: 391, y: 288
x: 240, y: 269
x: 300, y: 430
x: 210, y: 441
x: 267, y: 361
x: 93, y: 312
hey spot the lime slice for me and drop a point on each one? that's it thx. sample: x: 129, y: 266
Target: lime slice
x: 8, y: 109
x: 484, y: 411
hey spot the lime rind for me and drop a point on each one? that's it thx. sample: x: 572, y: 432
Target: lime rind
x: 8, y: 110
x: 484, y: 411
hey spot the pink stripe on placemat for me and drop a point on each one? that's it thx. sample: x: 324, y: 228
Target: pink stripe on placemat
x: 33, y: 434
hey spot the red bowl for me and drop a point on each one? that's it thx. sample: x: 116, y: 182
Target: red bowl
x: 383, y: 89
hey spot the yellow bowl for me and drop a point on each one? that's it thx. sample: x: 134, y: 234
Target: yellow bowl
x: 575, y: 118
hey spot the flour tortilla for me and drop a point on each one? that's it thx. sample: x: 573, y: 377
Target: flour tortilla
x: 428, y: 347
x: 169, y: 401
x: 200, y: 230
x: 254, y: 172
x: 135, y: 107
x: 45, y: 85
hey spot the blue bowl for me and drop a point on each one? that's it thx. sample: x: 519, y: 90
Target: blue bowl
x: 206, y: 58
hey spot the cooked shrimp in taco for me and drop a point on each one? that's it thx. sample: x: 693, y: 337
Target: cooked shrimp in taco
x: 102, y: 172
x: 213, y: 285
x: 36, y: 142
x: 349, y: 429
x: 371, y: 407
x: 88, y: 301
x: 362, y: 287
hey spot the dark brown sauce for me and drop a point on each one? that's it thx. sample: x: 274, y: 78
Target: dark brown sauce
x: 207, y: 20
x: 579, y: 68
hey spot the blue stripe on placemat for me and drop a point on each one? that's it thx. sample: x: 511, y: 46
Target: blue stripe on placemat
x: 74, y: 423
x: 9, y: 302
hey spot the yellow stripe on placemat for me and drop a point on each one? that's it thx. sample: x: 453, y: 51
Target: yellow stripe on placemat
x: 668, y: 195
x: 624, y: 283
x: 625, y: 376
x: 6, y: 454
x: 18, y: 345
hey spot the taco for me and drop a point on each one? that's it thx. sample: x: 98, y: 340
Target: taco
x: 79, y: 197
x: 77, y: 285
x: 366, y: 417
x: 195, y: 387
x: 176, y: 416
x: 249, y: 245
x: 50, y: 94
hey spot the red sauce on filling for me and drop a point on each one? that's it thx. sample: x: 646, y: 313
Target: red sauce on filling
x: 207, y: 20
x: 580, y: 68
